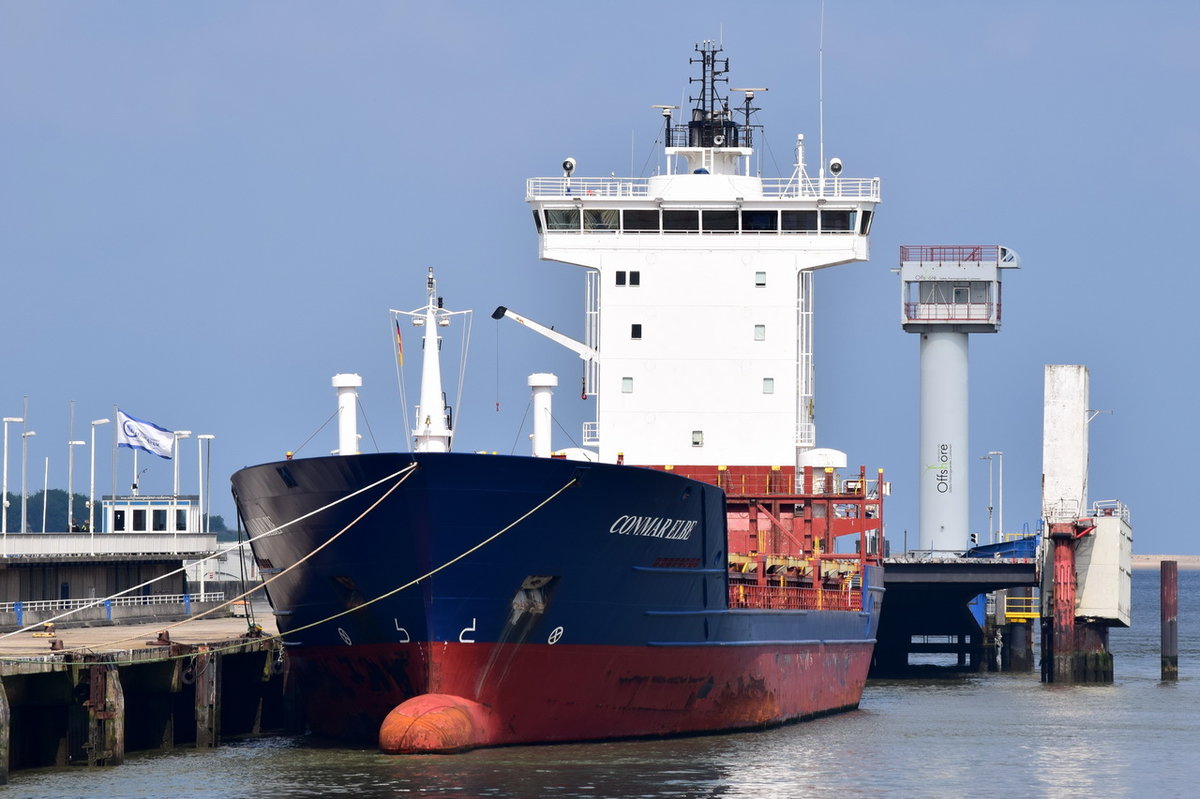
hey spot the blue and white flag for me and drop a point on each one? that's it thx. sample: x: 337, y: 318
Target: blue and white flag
x: 136, y: 434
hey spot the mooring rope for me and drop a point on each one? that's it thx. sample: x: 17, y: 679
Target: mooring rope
x: 280, y: 636
x: 180, y: 570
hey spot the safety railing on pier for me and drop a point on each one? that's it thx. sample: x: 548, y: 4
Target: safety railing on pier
x: 43, y: 605
x: 27, y: 545
x: 639, y: 188
x: 1022, y: 608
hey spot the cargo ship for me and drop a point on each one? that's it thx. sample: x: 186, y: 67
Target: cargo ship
x: 698, y: 565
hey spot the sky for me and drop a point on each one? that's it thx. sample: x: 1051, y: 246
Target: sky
x: 207, y: 209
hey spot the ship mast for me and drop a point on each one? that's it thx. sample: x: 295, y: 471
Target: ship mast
x: 433, y: 428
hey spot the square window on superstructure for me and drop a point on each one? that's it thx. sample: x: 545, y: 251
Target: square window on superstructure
x: 836, y: 220
x: 626, y: 385
x: 760, y: 332
x: 697, y: 438
x: 635, y: 331
x: 681, y: 221
x: 180, y: 520
x: 635, y: 278
x: 621, y: 278
x: 601, y: 218
x: 799, y: 221
x: 636, y: 221
x: 720, y: 221
x: 760, y: 279
x: 118, y: 521
x: 139, y: 521
x: 562, y: 219
x: 160, y: 520
x: 760, y: 221
x: 768, y: 385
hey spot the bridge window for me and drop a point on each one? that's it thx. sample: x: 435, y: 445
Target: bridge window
x: 601, y: 219
x: 866, y: 223
x: 837, y: 221
x: 641, y: 221
x: 537, y: 221
x: 562, y: 219
x: 720, y: 221
x: 758, y: 221
x: 799, y: 221
x: 681, y: 221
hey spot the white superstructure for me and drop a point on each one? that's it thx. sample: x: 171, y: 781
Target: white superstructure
x: 700, y: 288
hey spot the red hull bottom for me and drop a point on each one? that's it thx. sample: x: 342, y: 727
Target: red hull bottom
x: 461, y: 696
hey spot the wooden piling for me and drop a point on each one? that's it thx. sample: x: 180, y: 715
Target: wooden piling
x: 207, y: 673
x: 1168, y: 606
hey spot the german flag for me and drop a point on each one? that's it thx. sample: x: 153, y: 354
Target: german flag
x: 399, y: 345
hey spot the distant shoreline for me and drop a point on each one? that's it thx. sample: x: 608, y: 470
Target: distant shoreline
x: 1152, y: 561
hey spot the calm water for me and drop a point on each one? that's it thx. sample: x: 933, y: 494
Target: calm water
x: 985, y: 735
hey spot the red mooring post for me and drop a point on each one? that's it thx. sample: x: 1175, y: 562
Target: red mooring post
x: 1168, y: 606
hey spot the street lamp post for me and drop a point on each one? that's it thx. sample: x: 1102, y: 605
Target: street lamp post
x: 4, y: 490
x: 92, y: 483
x: 24, y: 492
x: 200, y: 439
x: 71, y: 445
x: 990, y: 506
x: 178, y: 434
x: 1000, y: 499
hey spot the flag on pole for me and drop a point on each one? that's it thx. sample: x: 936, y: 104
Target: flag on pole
x: 136, y: 434
x: 399, y: 345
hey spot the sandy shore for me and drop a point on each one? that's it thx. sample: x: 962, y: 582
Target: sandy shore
x: 1152, y: 561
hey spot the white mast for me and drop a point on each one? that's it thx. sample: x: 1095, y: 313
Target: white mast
x: 432, y: 431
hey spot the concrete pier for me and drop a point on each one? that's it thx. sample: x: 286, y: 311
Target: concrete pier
x: 114, y: 689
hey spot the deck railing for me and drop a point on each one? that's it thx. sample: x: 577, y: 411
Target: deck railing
x: 639, y: 188
x: 786, y: 597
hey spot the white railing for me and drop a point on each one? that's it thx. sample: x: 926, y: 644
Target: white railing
x: 950, y: 312
x: 639, y: 188
x: 25, y: 545
x: 43, y: 605
x: 591, y: 434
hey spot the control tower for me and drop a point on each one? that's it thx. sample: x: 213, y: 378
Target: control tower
x: 948, y: 292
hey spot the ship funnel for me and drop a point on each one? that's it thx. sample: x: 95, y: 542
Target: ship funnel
x: 347, y: 391
x: 543, y: 389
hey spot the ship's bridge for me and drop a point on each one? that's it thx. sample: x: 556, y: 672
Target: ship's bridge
x: 703, y: 204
